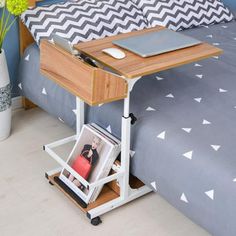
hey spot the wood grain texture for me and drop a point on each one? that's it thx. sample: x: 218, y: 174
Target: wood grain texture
x: 33, y: 3
x: 134, y: 66
x: 106, y: 195
x: 91, y: 84
x: 109, y: 192
x: 27, y: 104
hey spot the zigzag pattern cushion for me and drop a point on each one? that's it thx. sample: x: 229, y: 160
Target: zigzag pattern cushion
x: 184, y: 14
x: 84, y: 20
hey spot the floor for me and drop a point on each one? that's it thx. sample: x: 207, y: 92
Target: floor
x: 30, y: 206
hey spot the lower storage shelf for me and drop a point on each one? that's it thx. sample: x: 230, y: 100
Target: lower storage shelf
x: 109, y: 192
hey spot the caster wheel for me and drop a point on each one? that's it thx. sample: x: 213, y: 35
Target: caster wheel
x: 50, y: 183
x: 96, y: 221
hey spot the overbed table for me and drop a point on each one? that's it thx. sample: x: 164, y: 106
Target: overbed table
x: 112, y: 86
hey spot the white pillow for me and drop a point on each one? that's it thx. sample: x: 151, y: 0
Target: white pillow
x: 184, y: 14
x: 84, y: 20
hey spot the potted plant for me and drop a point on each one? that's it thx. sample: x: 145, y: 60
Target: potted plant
x: 10, y: 8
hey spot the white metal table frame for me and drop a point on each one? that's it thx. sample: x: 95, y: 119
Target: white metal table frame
x: 122, y: 174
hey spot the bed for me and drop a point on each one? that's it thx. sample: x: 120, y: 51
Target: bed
x: 183, y: 144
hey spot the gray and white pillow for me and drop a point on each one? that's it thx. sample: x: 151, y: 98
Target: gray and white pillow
x: 184, y: 14
x: 84, y: 20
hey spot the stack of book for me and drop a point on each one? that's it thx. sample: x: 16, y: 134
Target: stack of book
x: 92, y: 158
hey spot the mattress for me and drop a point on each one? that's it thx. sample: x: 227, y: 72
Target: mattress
x: 183, y: 144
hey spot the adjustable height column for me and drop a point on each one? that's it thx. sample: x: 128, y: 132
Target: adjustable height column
x: 125, y: 140
x: 125, y: 148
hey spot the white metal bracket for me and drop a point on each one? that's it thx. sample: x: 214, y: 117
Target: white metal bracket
x: 131, y: 82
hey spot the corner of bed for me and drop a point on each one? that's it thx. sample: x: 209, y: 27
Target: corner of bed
x: 25, y: 40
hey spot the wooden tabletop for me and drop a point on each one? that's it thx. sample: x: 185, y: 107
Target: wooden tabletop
x: 133, y: 66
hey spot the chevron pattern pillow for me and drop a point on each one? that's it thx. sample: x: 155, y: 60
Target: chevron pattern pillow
x: 184, y: 14
x: 84, y: 20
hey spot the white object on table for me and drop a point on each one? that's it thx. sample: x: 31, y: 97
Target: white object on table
x: 115, y: 53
